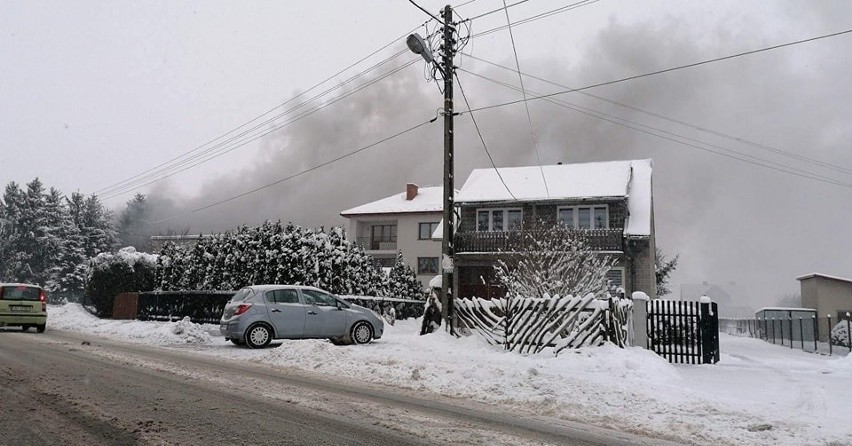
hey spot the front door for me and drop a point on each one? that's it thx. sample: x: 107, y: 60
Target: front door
x: 324, y: 319
x: 286, y: 313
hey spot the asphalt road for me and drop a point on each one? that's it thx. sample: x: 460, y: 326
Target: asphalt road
x: 63, y: 388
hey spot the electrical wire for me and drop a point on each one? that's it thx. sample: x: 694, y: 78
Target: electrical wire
x: 504, y: 8
x: 484, y: 146
x: 537, y: 17
x: 300, y: 173
x: 526, y: 103
x: 697, y: 144
x: 668, y: 70
x: 235, y: 144
x: 427, y: 12
x: 788, y: 154
x: 265, y: 113
x: 216, y: 149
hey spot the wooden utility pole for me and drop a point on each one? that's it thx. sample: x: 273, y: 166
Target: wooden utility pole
x: 447, y: 244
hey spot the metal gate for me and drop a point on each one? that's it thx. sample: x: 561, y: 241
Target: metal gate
x: 684, y: 332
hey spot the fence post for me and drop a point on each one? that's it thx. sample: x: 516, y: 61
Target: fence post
x: 773, y: 329
x: 790, y: 317
x: 802, y: 333
x: 848, y: 331
x: 816, y: 333
x: 829, y: 335
x: 708, y: 349
x: 640, y: 319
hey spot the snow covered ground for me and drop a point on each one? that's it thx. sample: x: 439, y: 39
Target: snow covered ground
x: 758, y: 393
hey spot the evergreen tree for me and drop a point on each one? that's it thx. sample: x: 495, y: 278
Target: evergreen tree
x: 402, y: 282
x: 67, y: 274
x: 133, y: 224
x: 663, y: 269
x: 96, y: 227
x: 10, y: 231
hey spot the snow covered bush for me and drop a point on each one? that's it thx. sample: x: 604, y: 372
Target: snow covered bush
x: 553, y: 260
x: 124, y: 271
x: 271, y: 253
x: 840, y: 333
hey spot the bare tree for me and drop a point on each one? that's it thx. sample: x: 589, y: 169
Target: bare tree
x: 553, y: 260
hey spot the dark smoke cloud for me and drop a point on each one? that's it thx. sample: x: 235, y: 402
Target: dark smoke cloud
x: 730, y: 221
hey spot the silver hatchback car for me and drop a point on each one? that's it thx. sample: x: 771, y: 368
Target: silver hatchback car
x: 260, y: 313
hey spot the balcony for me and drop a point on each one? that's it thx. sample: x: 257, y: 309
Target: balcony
x: 513, y: 241
x: 378, y: 243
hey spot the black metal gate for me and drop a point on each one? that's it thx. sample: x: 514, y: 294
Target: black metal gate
x: 684, y: 332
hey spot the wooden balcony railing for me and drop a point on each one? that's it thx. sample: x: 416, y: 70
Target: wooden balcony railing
x: 513, y: 241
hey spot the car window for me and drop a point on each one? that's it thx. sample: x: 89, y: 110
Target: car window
x: 19, y: 293
x: 314, y: 297
x: 286, y: 296
x: 241, y: 295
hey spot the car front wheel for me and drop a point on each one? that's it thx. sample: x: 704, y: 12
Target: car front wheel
x: 362, y: 333
x: 258, y: 336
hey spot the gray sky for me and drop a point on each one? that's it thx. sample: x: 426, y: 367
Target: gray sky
x: 93, y: 93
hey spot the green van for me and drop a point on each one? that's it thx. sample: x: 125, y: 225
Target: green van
x: 23, y: 305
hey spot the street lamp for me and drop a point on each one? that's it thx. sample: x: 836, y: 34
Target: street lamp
x: 418, y: 45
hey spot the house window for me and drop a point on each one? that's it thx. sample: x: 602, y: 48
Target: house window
x: 426, y: 230
x: 615, y: 278
x: 499, y: 220
x: 427, y: 265
x: 383, y: 237
x: 585, y: 217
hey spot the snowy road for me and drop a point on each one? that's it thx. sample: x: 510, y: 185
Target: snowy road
x: 68, y: 388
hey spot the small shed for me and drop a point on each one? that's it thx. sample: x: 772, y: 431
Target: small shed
x: 792, y: 324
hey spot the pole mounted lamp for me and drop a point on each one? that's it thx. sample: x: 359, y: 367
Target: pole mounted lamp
x: 418, y: 45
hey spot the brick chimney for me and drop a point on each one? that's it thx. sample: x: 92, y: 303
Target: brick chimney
x: 410, y: 191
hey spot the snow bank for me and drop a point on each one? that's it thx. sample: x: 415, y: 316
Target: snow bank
x: 758, y: 393
x: 73, y: 317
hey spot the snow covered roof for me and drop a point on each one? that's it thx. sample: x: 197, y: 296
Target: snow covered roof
x: 825, y: 276
x: 610, y: 179
x: 428, y: 199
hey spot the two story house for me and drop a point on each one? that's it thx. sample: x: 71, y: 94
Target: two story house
x: 610, y: 202
x: 402, y: 222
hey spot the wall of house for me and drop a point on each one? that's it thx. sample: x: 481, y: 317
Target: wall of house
x: 642, y: 276
x: 407, y: 231
x: 827, y: 296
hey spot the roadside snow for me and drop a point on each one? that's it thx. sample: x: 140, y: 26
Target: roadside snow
x: 759, y: 393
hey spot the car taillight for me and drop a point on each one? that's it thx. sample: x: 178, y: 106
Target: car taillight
x: 242, y: 309
x: 42, y: 296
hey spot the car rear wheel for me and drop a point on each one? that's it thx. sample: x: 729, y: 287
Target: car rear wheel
x: 258, y: 336
x: 40, y: 328
x: 362, y: 333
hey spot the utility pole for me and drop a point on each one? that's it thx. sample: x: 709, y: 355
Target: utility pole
x: 447, y: 244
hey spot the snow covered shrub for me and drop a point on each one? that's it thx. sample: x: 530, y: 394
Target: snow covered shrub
x: 271, y: 253
x: 840, y: 333
x: 125, y: 271
x: 553, y: 260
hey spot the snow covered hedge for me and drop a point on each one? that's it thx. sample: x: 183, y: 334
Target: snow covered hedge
x: 124, y: 271
x: 273, y: 253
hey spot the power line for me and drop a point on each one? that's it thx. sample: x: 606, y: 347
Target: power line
x: 224, y: 148
x: 129, y: 184
x: 498, y: 9
x: 484, y: 146
x: 799, y: 157
x: 667, y: 70
x: 427, y: 12
x: 270, y: 110
x: 300, y: 173
x: 526, y: 104
x: 540, y: 16
x: 674, y: 138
